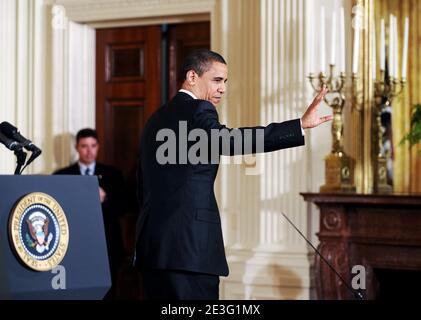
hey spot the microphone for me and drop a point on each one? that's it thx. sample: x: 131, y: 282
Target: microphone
x: 17, y: 148
x: 9, y: 143
x: 12, y: 132
x: 358, y: 295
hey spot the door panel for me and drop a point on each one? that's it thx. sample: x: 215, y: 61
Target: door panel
x: 183, y: 39
x: 126, y: 59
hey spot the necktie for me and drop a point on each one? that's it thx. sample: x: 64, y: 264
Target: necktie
x: 87, y: 172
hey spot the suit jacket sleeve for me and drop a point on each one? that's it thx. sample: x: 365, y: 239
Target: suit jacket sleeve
x: 274, y: 137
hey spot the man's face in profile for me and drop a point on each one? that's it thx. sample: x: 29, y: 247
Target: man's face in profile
x: 87, y: 148
x: 212, y: 84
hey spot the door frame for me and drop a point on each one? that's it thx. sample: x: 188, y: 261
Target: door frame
x: 116, y: 13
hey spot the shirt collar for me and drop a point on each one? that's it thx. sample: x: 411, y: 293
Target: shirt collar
x: 83, y: 167
x: 188, y: 92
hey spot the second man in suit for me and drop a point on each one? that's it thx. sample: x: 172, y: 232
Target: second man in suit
x: 111, y: 193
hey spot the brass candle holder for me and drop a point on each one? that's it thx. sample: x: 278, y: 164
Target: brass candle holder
x: 339, y: 174
x: 385, y: 91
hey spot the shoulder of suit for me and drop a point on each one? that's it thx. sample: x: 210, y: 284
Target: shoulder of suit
x: 204, y: 106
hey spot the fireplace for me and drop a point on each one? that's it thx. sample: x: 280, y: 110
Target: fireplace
x: 396, y: 284
x: 379, y: 233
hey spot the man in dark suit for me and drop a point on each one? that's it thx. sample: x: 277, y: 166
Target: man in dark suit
x: 111, y: 192
x: 180, y: 249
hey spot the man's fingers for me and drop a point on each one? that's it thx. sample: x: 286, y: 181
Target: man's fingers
x: 319, y: 98
x: 326, y: 118
x: 323, y: 91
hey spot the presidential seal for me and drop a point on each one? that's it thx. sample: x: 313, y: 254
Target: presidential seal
x: 38, y: 231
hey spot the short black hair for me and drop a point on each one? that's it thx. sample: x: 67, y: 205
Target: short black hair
x: 86, y: 133
x: 200, y: 61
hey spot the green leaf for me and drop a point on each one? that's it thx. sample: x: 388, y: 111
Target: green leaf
x: 414, y: 134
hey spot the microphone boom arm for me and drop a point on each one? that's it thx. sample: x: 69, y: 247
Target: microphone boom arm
x: 356, y: 294
x: 20, y: 159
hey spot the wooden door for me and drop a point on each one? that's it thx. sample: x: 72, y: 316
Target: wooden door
x: 128, y: 92
x: 183, y: 39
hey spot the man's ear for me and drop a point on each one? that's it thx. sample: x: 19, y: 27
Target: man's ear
x: 191, y: 77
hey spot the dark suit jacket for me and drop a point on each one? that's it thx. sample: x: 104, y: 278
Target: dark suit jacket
x: 111, y: 180
x: 179, y: 227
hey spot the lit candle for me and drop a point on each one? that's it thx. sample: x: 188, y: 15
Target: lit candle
x: 356, y: 49
x: 374, y: 51
x: 322, y: 41
x: 382, y: 46
x: 405, y: 49
x: 390, y: 60
x: 333, y: 44
x: 342, y: 36
x: 396, y: 47
x: 314, y: 40
x: 311, y: 52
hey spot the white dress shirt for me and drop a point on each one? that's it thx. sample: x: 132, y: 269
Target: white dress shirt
x: 191, y: 94
x: 83, y: 167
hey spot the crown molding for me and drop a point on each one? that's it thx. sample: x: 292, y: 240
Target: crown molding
x: 87, y: 11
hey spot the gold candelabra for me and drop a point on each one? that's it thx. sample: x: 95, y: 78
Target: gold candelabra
x: 385, y: 91
x: 339, y: 174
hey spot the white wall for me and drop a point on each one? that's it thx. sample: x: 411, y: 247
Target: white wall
x: 46, y: 80
x: 22, y: 77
